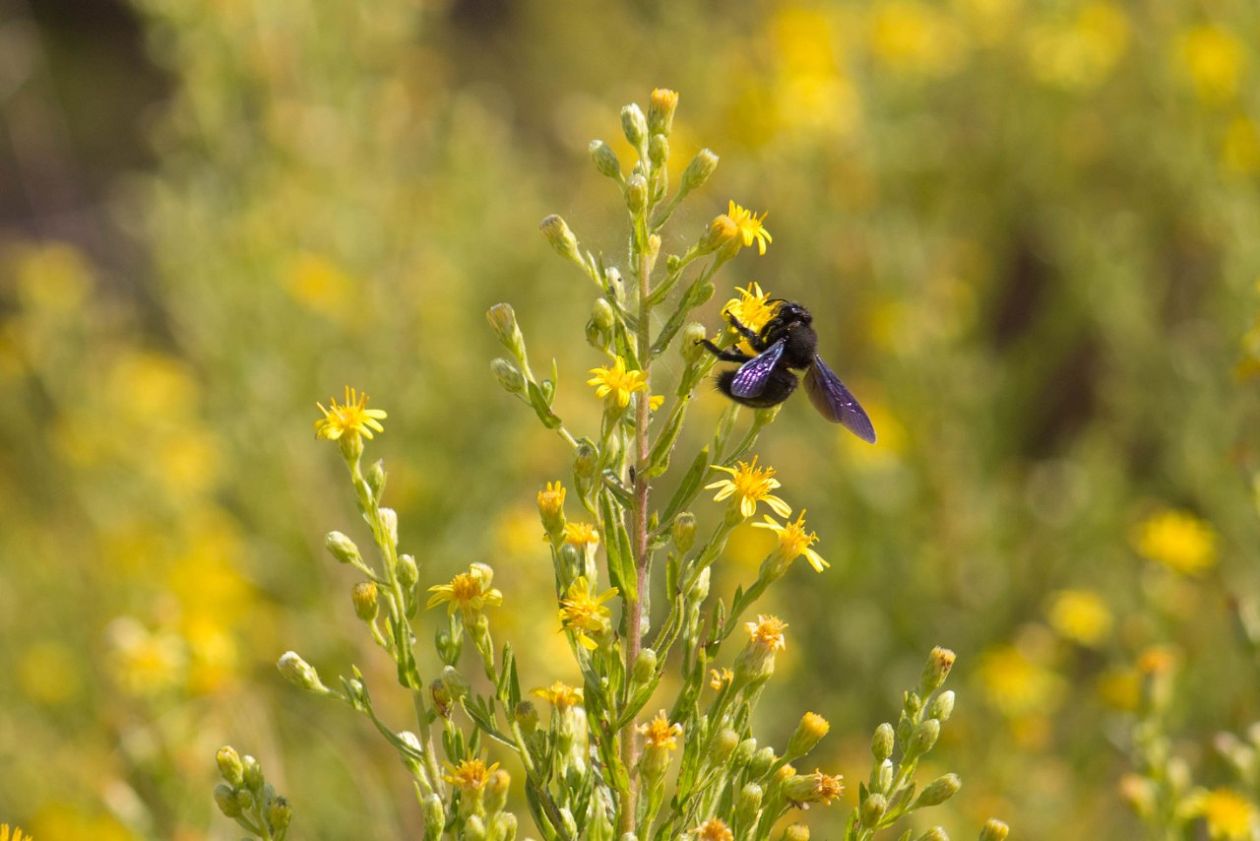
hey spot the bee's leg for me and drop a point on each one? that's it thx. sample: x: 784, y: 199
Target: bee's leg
x: 746, y: 332
x: 731, y: 355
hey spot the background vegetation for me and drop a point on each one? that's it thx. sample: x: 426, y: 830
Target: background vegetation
x: 1027, y: 230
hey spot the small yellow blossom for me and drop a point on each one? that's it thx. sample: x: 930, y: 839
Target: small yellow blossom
x: 794, y: 541
x: 1157, y: 660
x: 1213, y: 59
x: 656, y: 401
x: 469, y: 592
x: 560, y: 695
x: 551, y: 499
x: 714, y: 829
x: 719, y: 678
x: 1081, y: 616
x: 1178, y: 540
x: 617, y: 383
x: 767, y: 633
x: 750, y: 227
x: 1016, y: 684
x: 581, y: 534
x: 15, y: 834
x: 470, y: 775
x: 1228, y: 814
x: 750, y: 484
x: 753, y: 308
x: 813, y: 788
x: 659, y: 733
x: 352, y: 417
x: 584, y: 613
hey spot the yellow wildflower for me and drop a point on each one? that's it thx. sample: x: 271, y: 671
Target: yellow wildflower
x: 352, y: 417
x: 659, y: 733
x: 551, y: 507
x: 469, y: 592
x: 719, y: 678
x: 767, y: 633
x: 560, y: 695
x: 750, y: 227
x: 750, y: 484
x: 470, y: 775
x: 714, y: 829
x: 794, y: 541
x: 1178, y: 540
x: 1016, y: 684
x: 1240, y: 153
x: 656, y: 401
x: 1081, y: 616
x: 617, y: 383
x: 1228, y: 814
x: 813, y: 788
x: 753, y: 308
x: 583, y: 613
x: 581, y: 534
x: 1213, y: 58
x: 15, y: 834
x: 145, y: 662
x: 1157, y: 660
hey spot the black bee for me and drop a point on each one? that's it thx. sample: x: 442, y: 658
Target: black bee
x: 787, y: 341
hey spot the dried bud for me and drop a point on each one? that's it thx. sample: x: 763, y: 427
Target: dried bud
x: 940, y: 661
x: 363, y: 596
x: 299, y: 673
x: 508, y: 375
x: 940, y: 790
x: 230, y: 767
x: 605, y: 159
x: 636, y: 193
x: 698, y: 171
x: 634, y: 125
x: 557, y: 232
x: 994, y: 830
x: 661, y: 109
x: 342, y: 548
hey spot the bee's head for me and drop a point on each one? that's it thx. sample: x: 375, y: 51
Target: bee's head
x: 792, y: 313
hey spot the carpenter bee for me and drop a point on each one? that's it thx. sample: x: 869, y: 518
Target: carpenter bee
x: 787, y: 342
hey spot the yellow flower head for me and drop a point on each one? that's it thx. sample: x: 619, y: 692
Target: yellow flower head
x: 1228, y: 814
x: 813, y: 788
x: 560, y: 695
x: 1213, y: 58
x: 1157, y: 660
x: 1178, y: 540
x: 1017, y: 684
x: 469, y: 592
x: 352, y: 417
x: 749, y: 484
x: 714, y: 829
x: 584, y: 613
x: 767, y: 633
x: 1081, y: 616
x: 750, y: 227
x: 616, y: 383
x: 753, y: 308
x: 470, y: 775
x: 659, y: 733
x: 551, y: 500
x: 581, y: 534
x: 794, y: 541
x: 719, y: 678
x: 16, y: 836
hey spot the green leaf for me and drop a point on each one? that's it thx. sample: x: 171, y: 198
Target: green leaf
x: 542, y: 407
x: 687, y: 489
x: 617, y: 548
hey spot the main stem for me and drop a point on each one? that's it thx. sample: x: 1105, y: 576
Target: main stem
x: 639, y: 514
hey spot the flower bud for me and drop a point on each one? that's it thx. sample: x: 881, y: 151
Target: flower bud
x: 389, y: 519
x: 700, y: 589
x: 882, y: 776
x: 474, y: 829
x: 557, y: 232
x: 924, y: 737
x: 882, y: 742
x: 434, y: 817
x: 724, y: 745
x: 586, y: 461
x: 342, y: 548
x: 526, y: 715
x: 645, y: 667
x: 408, y: 571
x: 636, y: 193
x: 873, y: 808
x: 299, y: 673
x: 940, y: 790
x: 813, y: 788
x: 230, y: 765
x: 683, y: 531
x: 936, y: 833
x: 244, y: 799
x: 796, y: 832
x: 502, y: 320
x: 994, y: 830
x: 279, y: 813
x: 809, y: 732
x: 940, y: 661
x: 551, y: 508
x: 363, y: 596
x: 658, y: 150
x: 634, y: 124
x: 443, y: 701
x: 509, y: 376
x: 497, y: 790
x: 605, y: 159
x: 225, y: 799
x: 376, y: 476
x: 251, y: 773
x: 748, y: 804
x: 698, y: 171
x: 691, y: 348
x: 722, y: 230
x: 761, y: 761
x: 502, y: 827
x: 661, y: 109
x: 744, y: 752
x: 943, y: 706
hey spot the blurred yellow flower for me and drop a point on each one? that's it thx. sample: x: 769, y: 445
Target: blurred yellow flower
x: 149, y: 389
x: 1120, y: 688
x: 750, y: 226
x: 1080, y: 616
x: 1178, y: 540
x: 913, y: 37
x: 581, y: 534
x: 469, y: 592
x: 470, y: 775
x: 714, y: 829
x: 1228, y: 815
x: 1240, y: 149
x: 560, y: 695
x: 318, y: 284
x: 719, y: 678
x: 14, y: 834
x: 1213, y: 59
x: 1015, y: 684
x: 749, y: 484
x: 583, y: 613
x: 1079, y: 54
x: 352, y: 417
x: 659, y: 733
x: 617, y: 383
x: 753, y: 308
x: 145, y: 662
x: 794, y: 541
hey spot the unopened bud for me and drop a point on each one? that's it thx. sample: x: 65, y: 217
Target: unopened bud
x: 502, y: 320
x: 434, y: 816
x: 940, y: 790
x: 683, y: 531
x: 882, y: 742
x: 658, y: 150
x: 557, y: 232
x: 502, y: 827
x: 994, y: 830
x: 508, y: 375
x: 636, y: 193
x: 721, y: 230
x: 408, y: 571
x: 225, y: 799
x: 699, y: 170
x: 645, y: 666
x: 244, y: 799
x: 700, y: 590
x: 299, y: 673
x: 744, y: 752
x: 602, y: 314
x: 748, y: 804
x: 936, y: 833
x: 691, y: 348
x: 230, y: 767
x: 586, y: 461
x: 389, y: 519
x: 724, y: 745
x: 279, y: 813
x: 943, y: 706
x: 342, y: 548
x: 497, y: 790
x: 474, y: 829
x: 634, y: 124
x: 376, y: 478
x: 796, y: 832
x: 940, y: 661
x: 882, y: 776
x: 661, y: 108
x: 363, y: 596
x: 809, y: 732
x: 873, y: 808
x: 251, y: 773
x: 924, y: 737
x: 761, y: 761
x: 605, y: 159
x: 526, y: 715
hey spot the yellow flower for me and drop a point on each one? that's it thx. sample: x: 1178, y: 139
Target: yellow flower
x: 656, y: 401
x: 470, y: 775
x: 750, y: 227
x: 145, y: 662
x: 813, y: 788
x: 1213, y: 59
x: 551, y: 507
x: 1178, y: 540
x: 794, y: 541
x: 718, y: 679
x: 469, y: 592
x: 581, y: 534
x: 753, y: 308
x: 912, y: 37
x: 17, y: 834
x: 659, y: 733
x: 1228, y: 814
x: 583, y: 613
x: 1079, y: 54
x: 1016, y: 684
x: 767, y: 633
x: 560, y: 695
x: 750, y: 484
x: 714, y: 829
x: 352, y: 417
x: 617, y: 383
x: 1081, y: 616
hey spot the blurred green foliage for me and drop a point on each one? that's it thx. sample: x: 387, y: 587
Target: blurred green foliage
x: 1027, y: 231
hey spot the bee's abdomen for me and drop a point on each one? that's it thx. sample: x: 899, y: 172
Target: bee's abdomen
x: 779, y: 386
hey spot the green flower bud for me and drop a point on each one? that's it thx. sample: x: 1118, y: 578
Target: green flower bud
x: 761, y: 761
x: 434, y: 817
x: 605, y: 159
x: 698, y: 171
x: 645, y: 666
x: 225, y: 799
x: 661, y: 108
x: 883, y: 741
x: 936, y: 833
x: 230, y: 765
x: 882, y: 776
x: 636, y: 193
x: 299, y: 673
x: 363, y: 596
x: 279, y: 813
x: 502, y: 320
x: 939, y: 662
x: 497, y: 790
x: 943, y: 706
x: 502, y: 827
x: 634, y: 125
x: 724, y: 745
x: 744, y: 752
x: 748, y: 804
x: 526, y: 715
x: 557, y: 232
x: 447, y: 645
x: 658, y: 150
x: 700, y: 590
x: 355, y: 692
x: 342, y: 548
x: 376, y: 478
x: 809, y: 732
x: 408, y: 571
x: 683, y: 531
x: 939, y: 790
x: 244, y: 799
x: 251, y: 773
x: 586, y: 461
x: 994, y: 830
x: 924, y: 738
x: 474, y: 829
x: 873, y: 808
x: 443, y: 701
x: 508, y: 375
x: 389, y: 520
x: 796, y: 832
x: 690, y: 348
